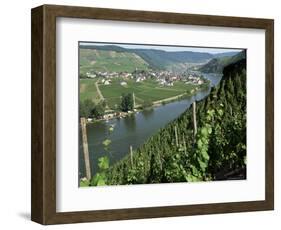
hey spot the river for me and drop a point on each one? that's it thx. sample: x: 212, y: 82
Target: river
x: 133, y: 130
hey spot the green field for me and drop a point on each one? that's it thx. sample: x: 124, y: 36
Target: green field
x: 110, y: 61
x: 88, y: 90
x: 145, y: 91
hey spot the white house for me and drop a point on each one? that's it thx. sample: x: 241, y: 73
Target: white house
x: 92, y: 75
x: 200, y: 82
x: 107, y: 82
x: 139, y: 79
x: 123, y: 83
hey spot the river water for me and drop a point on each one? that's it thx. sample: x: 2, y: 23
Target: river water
x: 133, y: 130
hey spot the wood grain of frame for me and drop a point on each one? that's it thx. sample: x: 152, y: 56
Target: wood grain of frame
x: 43, y: 159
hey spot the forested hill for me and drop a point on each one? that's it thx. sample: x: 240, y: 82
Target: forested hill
x: 217, y: 64
x: 174, y: 154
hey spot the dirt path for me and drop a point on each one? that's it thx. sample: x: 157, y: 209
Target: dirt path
x: 99, y: 92
x: 100, y: 95
x: 168, y: 99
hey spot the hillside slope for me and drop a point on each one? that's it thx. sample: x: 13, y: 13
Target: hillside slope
x: 218, y: 151
x: 217, y: 64
x: 226, y: 54
x: 110, y: 61
x: 159, y: 59
x: 156, y: 59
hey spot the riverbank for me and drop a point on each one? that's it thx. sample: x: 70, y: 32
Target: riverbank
x: 111, y: 114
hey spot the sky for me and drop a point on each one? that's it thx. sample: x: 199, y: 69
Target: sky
x: 167, y: 48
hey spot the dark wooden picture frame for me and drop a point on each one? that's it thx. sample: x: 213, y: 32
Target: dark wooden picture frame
x: 43, y: 197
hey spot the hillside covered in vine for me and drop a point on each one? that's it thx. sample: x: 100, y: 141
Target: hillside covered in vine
x: 207, y: 142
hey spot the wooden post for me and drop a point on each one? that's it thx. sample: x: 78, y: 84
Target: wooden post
x: 85, y: 147
x: 184, y: 144
x: 160, y: 162
x: 194, y: 118
x: 131, y: 155
x: 176, y: 135
x: 134, y: 101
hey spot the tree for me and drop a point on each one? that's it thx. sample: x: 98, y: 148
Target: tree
x: 98, y: 110
x: 127, y: 102
x: 83, y: 75
x: 86, y: 107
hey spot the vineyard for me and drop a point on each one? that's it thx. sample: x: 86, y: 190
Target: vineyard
x: 207, y: 142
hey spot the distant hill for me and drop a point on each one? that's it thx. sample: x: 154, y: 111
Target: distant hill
x: 160, y: 59
x: 116, y: 58
x: 110, y: 61
x: 217, y: 64
x: 226, y: 54
x: 156, y: 59
x: 106, y: 47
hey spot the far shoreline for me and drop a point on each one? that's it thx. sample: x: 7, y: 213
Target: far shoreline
x: 138, y: 109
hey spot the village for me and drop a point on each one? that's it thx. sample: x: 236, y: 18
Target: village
x: 164, y: 78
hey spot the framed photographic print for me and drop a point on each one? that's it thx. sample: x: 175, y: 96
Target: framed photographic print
x: 141, y: 114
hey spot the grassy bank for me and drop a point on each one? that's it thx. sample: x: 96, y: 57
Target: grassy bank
x: 146, y: 91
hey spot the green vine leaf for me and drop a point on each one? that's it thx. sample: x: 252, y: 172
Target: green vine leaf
x: 103, y: 163
x: 106, y: 142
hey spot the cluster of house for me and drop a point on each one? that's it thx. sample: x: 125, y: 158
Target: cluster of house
x: 112, y: 115
x: 167, y: 78
x: 164, y: 78
x: 165, y: 82
x: 106, y: 81
x: 194, y: 79
x: 109, y: 81
x: 109, y: 75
